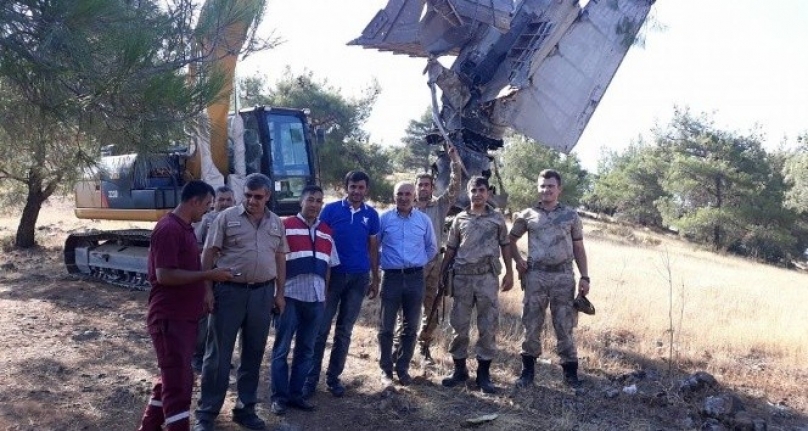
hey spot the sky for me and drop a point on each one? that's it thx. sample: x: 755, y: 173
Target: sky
x: 745, y: 62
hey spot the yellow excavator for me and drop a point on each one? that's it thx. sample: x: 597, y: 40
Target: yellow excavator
x: 143, y: 187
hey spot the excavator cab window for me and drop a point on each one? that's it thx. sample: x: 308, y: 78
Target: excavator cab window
x: 290, y: 167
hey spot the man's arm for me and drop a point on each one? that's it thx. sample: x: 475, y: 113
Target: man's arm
x: 521, y: 264
x: 579, y: 252
x: 373, y: 251
x: 430, y: 241
x: 176, y: 276
x: 448, y: 256
x: 449, y: 197
x: 507, y: 280
x: 280, y: 280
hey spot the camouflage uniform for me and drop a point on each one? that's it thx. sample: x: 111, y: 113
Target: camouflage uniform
x: 436, y: 210
x: 477, y: 240
x: 549, y: 280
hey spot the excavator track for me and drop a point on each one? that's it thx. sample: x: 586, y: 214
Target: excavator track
x: 115, y: 257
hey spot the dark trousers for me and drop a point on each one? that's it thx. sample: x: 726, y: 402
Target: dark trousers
x: 170, y: 403
x: 344, y: 300
x: 201, y: 337
x: 301, y: 321
x: 404, y: 292
x: 237, y: 308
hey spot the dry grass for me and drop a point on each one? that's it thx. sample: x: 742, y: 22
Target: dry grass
x: 742, y: 321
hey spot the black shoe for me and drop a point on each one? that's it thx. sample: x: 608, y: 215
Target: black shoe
x: 528, y: 372
x: 277, y: 408
x: 301, y: 404
x: 484, y: 377
x: 307, y: 392
x: 571, y: 375
x: 336, y: 389
x: 203, y: 425
x: 404, y: 379
x: 250, y: 421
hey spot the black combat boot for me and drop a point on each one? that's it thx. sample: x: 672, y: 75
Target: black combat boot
x: 571, y: 374
x: 484, y: 377
x: 528, y: 372
x: 459, y: 375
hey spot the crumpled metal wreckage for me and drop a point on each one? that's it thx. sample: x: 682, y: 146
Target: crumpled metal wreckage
x: 537, y: 67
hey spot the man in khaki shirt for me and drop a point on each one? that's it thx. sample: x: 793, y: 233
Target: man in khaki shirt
x: 251, y: 241
x: 477, y: 238
x: 555, y: 240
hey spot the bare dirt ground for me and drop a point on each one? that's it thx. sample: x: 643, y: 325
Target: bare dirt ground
x: 74, y: 355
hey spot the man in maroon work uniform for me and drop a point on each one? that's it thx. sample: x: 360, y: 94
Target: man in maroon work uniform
x: 178, y: 298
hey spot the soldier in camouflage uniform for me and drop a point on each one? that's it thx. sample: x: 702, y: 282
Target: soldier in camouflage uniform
x: 436, y: 207
x: 476, y: 238
x: 555, y: 239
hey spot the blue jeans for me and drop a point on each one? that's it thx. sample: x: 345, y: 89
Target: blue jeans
x: 403, y: 292
x: 237, y: 307
x: 344, y: 300
x: 300, y: 320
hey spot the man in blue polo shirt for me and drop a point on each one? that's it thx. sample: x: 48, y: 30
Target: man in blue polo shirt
x: 407, y: 244
x: 355, y: 226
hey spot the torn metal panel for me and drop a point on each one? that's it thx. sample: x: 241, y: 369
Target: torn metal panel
x: 395, y: 28
x: 568, y: 84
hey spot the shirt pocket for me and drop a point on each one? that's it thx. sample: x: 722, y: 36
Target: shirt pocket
x: 269, y: 240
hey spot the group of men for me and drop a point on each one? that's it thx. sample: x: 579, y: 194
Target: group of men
x: 311, y: 272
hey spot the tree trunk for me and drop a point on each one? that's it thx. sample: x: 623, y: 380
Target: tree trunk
x: 719, y: 202
x: 26, y: 230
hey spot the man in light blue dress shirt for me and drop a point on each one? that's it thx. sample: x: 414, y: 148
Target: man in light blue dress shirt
x: 407, y: 243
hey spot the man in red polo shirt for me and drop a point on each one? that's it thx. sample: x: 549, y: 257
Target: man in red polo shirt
x: 178, y: 298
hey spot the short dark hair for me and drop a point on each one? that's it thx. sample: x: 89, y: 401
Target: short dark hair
x: 477, y: 182
x: 423, y: 175
x: 550, y: 173
x: 196, y: 189
x: 355, y: 177
x: 310, y: 189
x: 256, y: 181
x: 223, y: 189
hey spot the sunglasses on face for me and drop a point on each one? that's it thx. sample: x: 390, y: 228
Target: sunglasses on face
x: 256, y: 196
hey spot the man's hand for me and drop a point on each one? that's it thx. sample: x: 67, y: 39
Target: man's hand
x: 219, y: 274
x: 452, y: 152
x: 521, y: 267
x: 583, y: 287
x: 507, y: 281
x: 280, y: 303
x: 373, y: 289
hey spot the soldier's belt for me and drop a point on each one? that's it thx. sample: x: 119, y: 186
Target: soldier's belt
x: 561, y: 267
x: 474, y: 269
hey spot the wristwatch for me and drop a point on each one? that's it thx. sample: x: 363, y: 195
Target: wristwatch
x: 585, y: 277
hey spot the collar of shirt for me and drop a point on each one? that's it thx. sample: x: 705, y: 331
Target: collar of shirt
x: 182, y: 222
x: 345, y: 203
x: 242, y: 210
x: 402, y: 215
x: 541, y: 208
